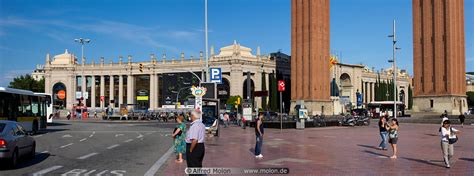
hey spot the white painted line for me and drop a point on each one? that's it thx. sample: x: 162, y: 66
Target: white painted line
x: 92, y: 134
x: 67, y: 145
x: 112, y: 146
x: 117, y: 135
x: 45, y: 151
x: 47, y: 170
x: 87, y: 156
x: 67, y: 136
x: 140, y: 136
x: 128, y: 140
x: 152, y: 171
x: 82, y: 139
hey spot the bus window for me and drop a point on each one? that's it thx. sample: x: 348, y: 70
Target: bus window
x: 24, y: 107
x: 3, y: 107
x: 35, y: 106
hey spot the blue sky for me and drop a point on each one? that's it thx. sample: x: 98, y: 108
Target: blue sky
x: 29, y: 29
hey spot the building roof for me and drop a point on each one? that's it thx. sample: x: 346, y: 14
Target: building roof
x: 64, y: 59
x: 235, y: 49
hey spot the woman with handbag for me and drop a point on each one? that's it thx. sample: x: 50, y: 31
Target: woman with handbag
x: 448, y: 138
x: 393, y: 137
x: 179, y: 136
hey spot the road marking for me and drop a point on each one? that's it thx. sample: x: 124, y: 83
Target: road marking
x: 67, y: 145
x: 38, y: 136
x: 159, y: 163
x: 140, y: 136
x: 112, y: 146
x: 67, y: 136
x: 117, y: 135
x: 47, y: 170
x: 128, y: 140
x: 45, y: 152
x: 87, y: 156
x: 92, y: 134
x: 82, y: 139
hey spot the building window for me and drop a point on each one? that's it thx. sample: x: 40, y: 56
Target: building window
x: 431, y: 103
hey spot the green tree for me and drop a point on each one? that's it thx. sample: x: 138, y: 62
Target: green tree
x: 264, y: 88
x: 470, y: 98
x: 26, y: 82
x: 273, y: 93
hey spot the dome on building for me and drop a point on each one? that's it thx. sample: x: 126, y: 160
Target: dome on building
x: 64, y: 59
x: 235, y: 49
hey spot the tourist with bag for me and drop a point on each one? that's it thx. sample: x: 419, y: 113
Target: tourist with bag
x: 448, y: 138
x: 383, y: 133
x: 179, y: 136
x: 393, y: 137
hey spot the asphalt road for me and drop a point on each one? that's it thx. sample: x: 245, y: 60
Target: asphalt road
x: 98, y: 148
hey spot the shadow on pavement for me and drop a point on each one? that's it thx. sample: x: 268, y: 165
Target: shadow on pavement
x: 24, y: 162
x: 50, y: 131
x: 374, y: 153
x: 467, y: 159
x: 57, y: 124
x: 431, y: 134
x: 368, y: 146
x: 425, y: 162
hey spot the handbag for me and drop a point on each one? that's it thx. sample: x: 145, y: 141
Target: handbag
x: 452, y: 140
x: 179, y: 133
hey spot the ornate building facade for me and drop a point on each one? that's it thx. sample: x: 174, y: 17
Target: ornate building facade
x: 149, y: 84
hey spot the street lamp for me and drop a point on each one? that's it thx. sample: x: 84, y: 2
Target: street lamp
x: 206, y: 38
x: 394, y: 71
x: 82, y: 41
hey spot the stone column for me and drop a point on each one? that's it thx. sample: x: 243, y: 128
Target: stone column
x: 92, y: 95
x: 111, y: 90
x: 102, y: 90
x: 130, y: 90
x: 83, y: 87
x: 120, y: 99
x: 372, y: 92
x: 157, y: 91
x: 152, y: 92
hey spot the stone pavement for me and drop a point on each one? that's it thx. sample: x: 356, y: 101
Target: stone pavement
x: 337, y: 151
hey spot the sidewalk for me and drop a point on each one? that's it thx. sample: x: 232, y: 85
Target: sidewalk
x: 336, y: 151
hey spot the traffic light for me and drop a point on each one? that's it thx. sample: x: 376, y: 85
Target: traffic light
x: 140, y: 67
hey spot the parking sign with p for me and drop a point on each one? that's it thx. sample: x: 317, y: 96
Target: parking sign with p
x: 216, y: 75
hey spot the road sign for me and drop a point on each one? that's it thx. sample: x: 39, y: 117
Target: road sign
x: 61, y: 94
x: 216, y: 75
x: 281, y: 85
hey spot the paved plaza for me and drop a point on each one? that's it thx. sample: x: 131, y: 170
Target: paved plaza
x: 337, y: 151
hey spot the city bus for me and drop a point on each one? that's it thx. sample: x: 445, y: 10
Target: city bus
x: 380, y: 108
x: 24, y: 107
x: 49, y: 106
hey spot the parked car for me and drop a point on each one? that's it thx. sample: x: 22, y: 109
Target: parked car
x: 15, y: 143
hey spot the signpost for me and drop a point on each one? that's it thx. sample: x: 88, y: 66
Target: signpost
x: 216, y: 75
x: 198, y: 93
x: 281, y: 89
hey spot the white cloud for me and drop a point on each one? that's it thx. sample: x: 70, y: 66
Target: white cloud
x: 142, y: 35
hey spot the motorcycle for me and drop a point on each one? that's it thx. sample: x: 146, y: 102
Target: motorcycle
x: 348, y: 121
x: 362, y: 120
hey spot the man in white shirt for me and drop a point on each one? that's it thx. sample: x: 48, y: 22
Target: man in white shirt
x: 447, y: 133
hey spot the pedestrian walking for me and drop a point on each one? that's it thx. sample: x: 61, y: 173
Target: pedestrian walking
x: 461, y: 120
x: 179, y: 136
x: 393, y: 137
x: 383, y: 126
x: 259, y: 131
x: 195, y: 141
x: 448, y: 138
x: 226, y: 120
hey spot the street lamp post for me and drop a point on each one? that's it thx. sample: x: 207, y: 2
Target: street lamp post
x: 82, y: 41
x: 206, y: 36
x: 394, y: 71
x: 177, y: 95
